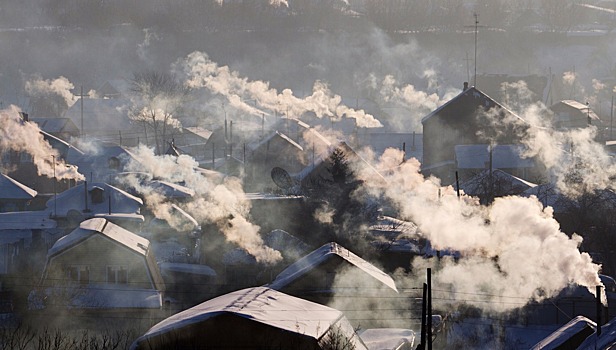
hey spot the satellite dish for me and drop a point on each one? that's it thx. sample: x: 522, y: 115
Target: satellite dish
x: 282, y: 178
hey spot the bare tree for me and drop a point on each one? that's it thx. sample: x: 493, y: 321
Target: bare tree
x: 158, y: 98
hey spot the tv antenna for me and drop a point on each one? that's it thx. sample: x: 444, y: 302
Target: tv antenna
x: 476, y: 27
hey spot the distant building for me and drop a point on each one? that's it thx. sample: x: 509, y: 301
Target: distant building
x: 14, y: 196
x: 462, y: 121
x: 570, y: 114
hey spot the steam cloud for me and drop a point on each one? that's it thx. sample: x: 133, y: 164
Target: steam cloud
x: 493, y: 241
x: 39, y: 87
x: 204, y: 73
x: 19, y: 136
x: 219, y: 202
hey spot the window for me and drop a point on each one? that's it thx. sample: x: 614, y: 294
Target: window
x: 78, y: 274
x: 117, y: 274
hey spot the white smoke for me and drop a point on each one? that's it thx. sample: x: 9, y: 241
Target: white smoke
x: 492, y: 241
x: 566, y: 152
x: 44, y: 88
x: 203, y: 73
x: 414, y: 103
x: 218, y: 201
x: 19, y: 136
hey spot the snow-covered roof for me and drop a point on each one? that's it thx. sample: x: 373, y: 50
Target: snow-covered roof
x: 387, y: 338
x: 322, y: 254
x: 262, y: 305
x: 503, y: 157
x: 12, y: 189
x: 471, y: 90
x: 572, y: 328
x: 199, y: 131
x: 506, y: 183
x: 56, y: 124
x: 582, y: 108
x: 30, y: 220
x: 103, y: 227
x: 171, y: 190
x: 74, y: 199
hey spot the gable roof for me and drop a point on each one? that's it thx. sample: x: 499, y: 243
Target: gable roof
x: 12, y: 189
x: 580, y: 107
x: 74, y: 198
x: 55, y: 125
x: 471, y: 90
x: 321, y: 255
x: 262, y: 305
x: 508, y: 183
x: 99, y: 226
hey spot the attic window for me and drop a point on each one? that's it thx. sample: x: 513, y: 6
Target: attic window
x: 78, y: 273
x: 97, y: 194
x: 114, y: 163
x: 117, y: 274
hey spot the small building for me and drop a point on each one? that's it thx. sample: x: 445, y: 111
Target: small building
x: 103, y: 266
x: 253, y: 318
x: 570, y: 114
x: 471, y: 159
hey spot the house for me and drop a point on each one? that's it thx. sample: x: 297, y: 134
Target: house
x: 26, y: 172
x: 62, y: 128
x: 570, y: 114
x: 292, y: 145
x: 463, y: 121
x: 88, y: 200
x: 103, y: 163
x: 333, y: 269
x: 276, y: 150
x: 14, y: 196
x: 253, y: 318
x: 103, y: 266
x: 107, y: 119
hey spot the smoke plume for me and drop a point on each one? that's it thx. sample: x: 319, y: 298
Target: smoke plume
x: 203, y: 73
x: 218, y: 201
x: 46, y: 88
x: 492, y: 240
x: 19, y: 136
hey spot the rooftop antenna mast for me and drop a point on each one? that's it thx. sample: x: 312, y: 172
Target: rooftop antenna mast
x: 476, y: 27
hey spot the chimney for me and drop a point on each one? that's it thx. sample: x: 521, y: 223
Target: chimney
x: 465, y: 86
x: 24, y: 116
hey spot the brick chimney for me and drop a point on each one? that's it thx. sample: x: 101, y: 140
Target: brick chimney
x: 465, y: 86
x: 24, y: 116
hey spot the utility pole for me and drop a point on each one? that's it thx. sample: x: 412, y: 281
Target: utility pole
x: 81, y: 105
x: 55, y: 193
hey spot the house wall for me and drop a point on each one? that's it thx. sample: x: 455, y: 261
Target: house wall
x: 97, y: 253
